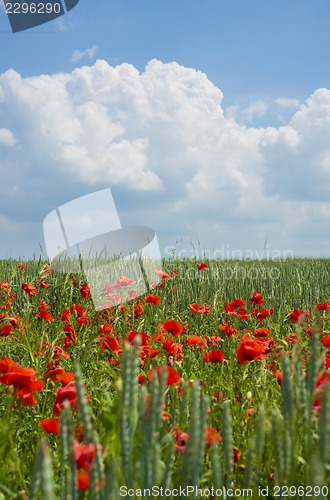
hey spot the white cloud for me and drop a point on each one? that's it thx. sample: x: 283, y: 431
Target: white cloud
x: 89, y: 53
x: 297, y: 155
x: 178, y: 162
x: 287, y: 102
x: 7, y: 138
x: 255, y: 109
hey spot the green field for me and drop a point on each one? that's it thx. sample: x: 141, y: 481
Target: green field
x: 241, y: 408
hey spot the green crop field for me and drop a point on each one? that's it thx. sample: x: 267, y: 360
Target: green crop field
x: 215, y: 384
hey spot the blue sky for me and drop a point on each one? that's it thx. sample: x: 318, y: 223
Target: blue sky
x: 208, y: 119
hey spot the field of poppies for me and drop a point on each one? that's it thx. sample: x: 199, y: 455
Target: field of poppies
x: 215, y: 384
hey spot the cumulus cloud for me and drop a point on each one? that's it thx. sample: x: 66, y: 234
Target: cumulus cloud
x: 255, y: 109
x: 174, y: 160
x: 287, y: 102
x: 89, y: 53
x: 7, y: 138
x: 297, y: 155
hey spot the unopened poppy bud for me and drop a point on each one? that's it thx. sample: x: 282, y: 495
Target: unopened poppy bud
x: 170, y: 361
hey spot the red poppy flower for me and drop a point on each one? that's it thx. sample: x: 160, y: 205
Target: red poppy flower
x: 175, y: 348
x: 144, y: 338
x: 261, y: 332
x: 237, y: 303
x: 181, y: 439
x: 173, y: 327
x: 262, y: 313
x: 109, y: 342
x: 250, y: 349
x: 256, y: 299
x: 167, y: 343
x: 53, y: 372
x: 236, y: 454
x: 197, y: 341
x: 46, y: 269
x: 123, y: 281
x: 142, y: 378
x: 152, y: 299
x: 233, y: 304
x: 50, y: 425
x: 218, y: 395
x: 309, y: 331
x: 29, y: 289
x: 298, y: 315
x: 7, y: 297
x: 26, y: 398
x: 164, y: 276
x: 214, y: 356
x: 326, y: 340
x: 70, y: 335
x: 242, y: 314
x: 69, y: 393
x: 83, y: 454
x: 228, y: 330
x: 148, y: 352
x: 85, y: 291
x: 42, y: 305
x: 8, y: 365
x: 5, y: 330
x: 327, y: 360
x: 107, y: 290
x: 65, y: 317
x: 65, y: 378
x: 213, y: 340
x: 78, y: 309
x: 322, y: 384
x: 323, y: 306
x: 138, y: 309
x: 172, y: 375
x: 212, y: 437
x: 293, y: 338
x: 132, y: 294
x: 105, y: 328
x: 199, y: 308
x: 46, y: 316
x: 175, y: 273
x: 82, y: 479
x: 202, y: 266
x: 23, y: 379
x: 42, y: 283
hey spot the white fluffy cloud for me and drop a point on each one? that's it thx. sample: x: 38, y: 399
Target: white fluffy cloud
x: 6, y: 137
x: 255, y: 109
x: 287, y: 102
x: 162, y: 140
x: 89, y: 53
